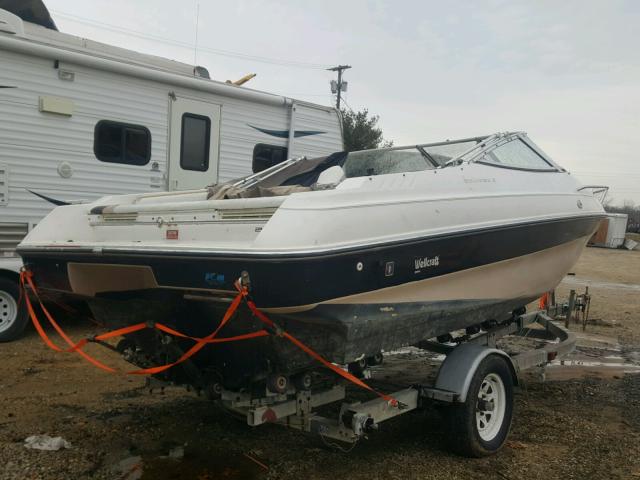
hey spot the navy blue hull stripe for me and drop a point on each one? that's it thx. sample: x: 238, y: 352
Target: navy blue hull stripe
x: 302, y: 280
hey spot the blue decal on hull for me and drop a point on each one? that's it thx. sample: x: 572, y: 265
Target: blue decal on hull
x: 214, y: 279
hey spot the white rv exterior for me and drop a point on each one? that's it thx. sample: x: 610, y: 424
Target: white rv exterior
x: 167, y: 126
x: 612, y: 231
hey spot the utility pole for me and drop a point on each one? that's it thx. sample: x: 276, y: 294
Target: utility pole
x: 339, y: 86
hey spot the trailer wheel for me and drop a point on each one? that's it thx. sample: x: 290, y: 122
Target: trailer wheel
x: 13, y: 318
x: 480, y: 425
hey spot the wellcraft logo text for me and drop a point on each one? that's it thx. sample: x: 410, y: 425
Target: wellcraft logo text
x: 425, y: 262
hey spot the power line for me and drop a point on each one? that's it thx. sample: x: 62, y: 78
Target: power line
x: 307, y: 95
x: 605, y: 171
x: 178, y: 43
x: 618, y: 179
x: 345, y: 102
x: 624, y: 178
x: 195, y: 46
x: 612, y: 175
x: 609, y: 173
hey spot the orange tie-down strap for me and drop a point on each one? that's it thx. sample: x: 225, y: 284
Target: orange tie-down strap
x: 543, y: 302
x: 331, y: 366
x: 26, y: 278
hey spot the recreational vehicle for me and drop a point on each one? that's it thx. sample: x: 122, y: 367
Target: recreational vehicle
x: 80, y: 120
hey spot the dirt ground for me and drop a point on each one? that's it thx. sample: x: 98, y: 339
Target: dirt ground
x: 581, y: 422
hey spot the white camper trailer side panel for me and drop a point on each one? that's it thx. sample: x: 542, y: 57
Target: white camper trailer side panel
x: 61, y: 87
x: 318, y: 131
x: 246, y: 124
x: 52, y: 154
x: 239, y: 131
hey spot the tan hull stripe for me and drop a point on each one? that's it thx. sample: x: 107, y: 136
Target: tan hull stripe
x: 520, y: 277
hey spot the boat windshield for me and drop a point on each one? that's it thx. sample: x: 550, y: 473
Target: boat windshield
x: 302, y: 174
x: 447, y: 151
x: 400, y: 160
x: 380, y: 162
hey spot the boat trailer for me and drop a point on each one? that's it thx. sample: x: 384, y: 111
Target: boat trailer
x: 296, y: 408
x: 475, y: 379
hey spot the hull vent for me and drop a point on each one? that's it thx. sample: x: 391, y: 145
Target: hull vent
x: 258, y: 214
x: 11, y: 234
x: 119, y: 217
x: 240, y: 214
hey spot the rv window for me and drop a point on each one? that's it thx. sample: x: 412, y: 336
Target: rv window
x: 115, y: 142
x: 265, y: 156
x: 194, y: 151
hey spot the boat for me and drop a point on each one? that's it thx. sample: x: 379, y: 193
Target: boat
x: 353, y: 253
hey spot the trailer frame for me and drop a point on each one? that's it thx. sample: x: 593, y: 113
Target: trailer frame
x: 296, y: 408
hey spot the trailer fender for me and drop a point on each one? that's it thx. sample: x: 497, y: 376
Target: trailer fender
x: 459, y: 367
x: 10, y: 266
x: 13, y: 314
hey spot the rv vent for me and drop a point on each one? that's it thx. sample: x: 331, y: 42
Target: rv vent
x: 260, y: 214
x: 11, y: 234
x: 4, y: 185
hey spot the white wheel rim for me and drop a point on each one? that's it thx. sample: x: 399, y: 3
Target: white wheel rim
x: 490, y: 407
x: 8, y: 310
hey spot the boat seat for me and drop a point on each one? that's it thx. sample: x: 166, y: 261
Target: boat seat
x: 257, y: 191
x: 331, y: 176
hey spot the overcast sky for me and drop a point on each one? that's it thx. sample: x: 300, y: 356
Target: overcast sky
x: 566, y: 72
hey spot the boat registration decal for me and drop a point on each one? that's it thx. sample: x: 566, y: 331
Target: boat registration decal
x: 214, y: 279
x: 426, y: 262
x: 172, y: 234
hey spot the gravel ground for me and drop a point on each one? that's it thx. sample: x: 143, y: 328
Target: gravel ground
x: 586, y: 425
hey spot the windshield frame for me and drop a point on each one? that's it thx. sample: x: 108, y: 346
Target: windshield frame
x: 422, y: 148
x: 431, y: 144
x: 483, y: 144
x: 499, y: 139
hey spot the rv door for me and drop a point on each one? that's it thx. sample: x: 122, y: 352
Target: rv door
x: 193, y: 144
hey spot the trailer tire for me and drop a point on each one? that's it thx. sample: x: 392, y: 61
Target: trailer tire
x: 13, y: 315
x: 480, y: 425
